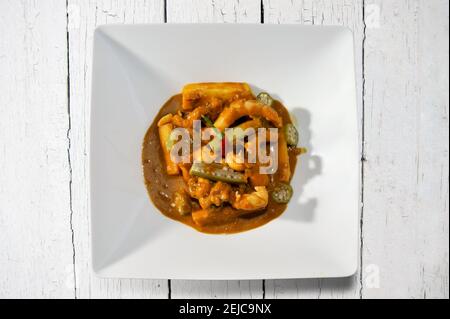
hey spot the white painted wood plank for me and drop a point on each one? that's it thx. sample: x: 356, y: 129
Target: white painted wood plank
x: 84, y: 16
x: 406, y: 234
x: 35, y: 236
x: 212, y: 289
x: 320, y: 12
x: 208, y: 11
x: 243, y: 11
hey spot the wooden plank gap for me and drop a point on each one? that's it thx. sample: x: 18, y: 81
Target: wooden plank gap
x: 363, y: 154
x: 69, y: 160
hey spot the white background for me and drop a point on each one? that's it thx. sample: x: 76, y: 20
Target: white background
x: 402, y: 71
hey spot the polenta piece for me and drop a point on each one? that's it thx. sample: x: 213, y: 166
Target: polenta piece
x: 164, y: 138
x: 227, y: 92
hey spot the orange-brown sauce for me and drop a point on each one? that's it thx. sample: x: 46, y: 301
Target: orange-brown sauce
x: 161, y: 186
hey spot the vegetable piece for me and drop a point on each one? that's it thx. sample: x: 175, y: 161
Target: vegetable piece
x: 217, y: 143
x: 207, y: 121
x: 291, y: 134
x: 182, y: 203
x: 224, y: 145
x: 227, y: 92
x: 265, y: 98
x: 217, y: 172
x: 165, y: 141
x: 284, y: 168
x: 282, y: 193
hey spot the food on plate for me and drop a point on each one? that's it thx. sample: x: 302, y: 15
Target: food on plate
x: 220, y: 159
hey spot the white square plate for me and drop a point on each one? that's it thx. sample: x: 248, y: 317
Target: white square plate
x: 311, y: 69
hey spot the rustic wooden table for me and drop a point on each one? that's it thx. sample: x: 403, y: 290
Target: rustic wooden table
x: 402, y: 63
